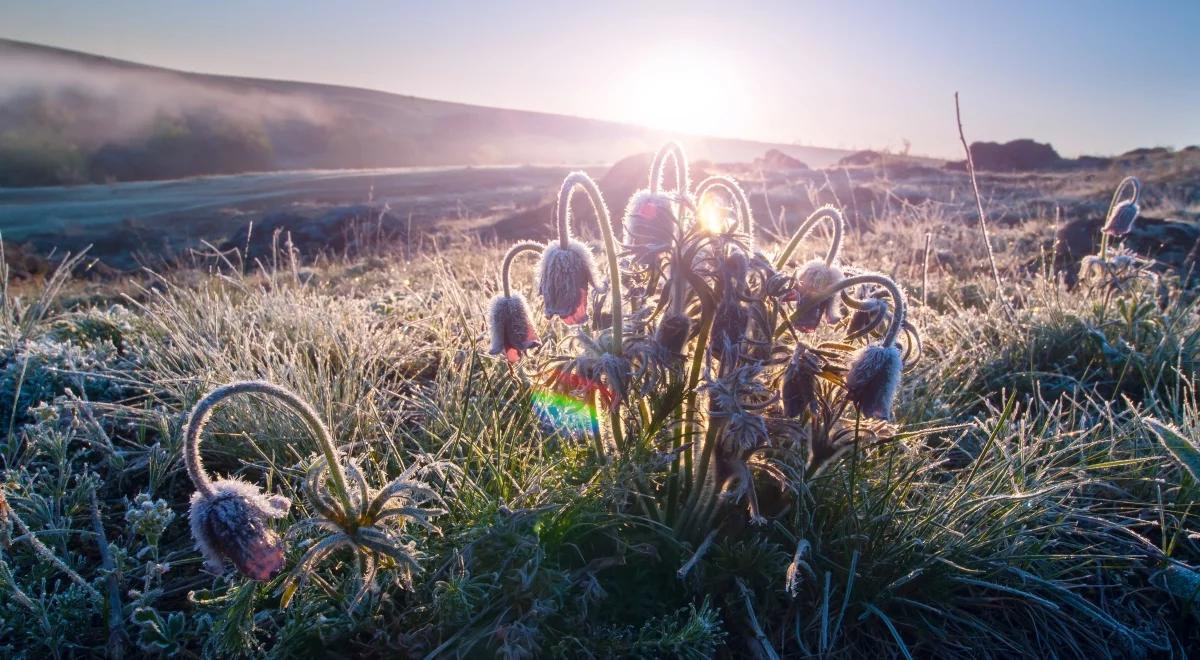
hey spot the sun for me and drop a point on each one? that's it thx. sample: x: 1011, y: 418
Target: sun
x: 686, y: 90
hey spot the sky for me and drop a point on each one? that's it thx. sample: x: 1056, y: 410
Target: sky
x: 1094, y: 76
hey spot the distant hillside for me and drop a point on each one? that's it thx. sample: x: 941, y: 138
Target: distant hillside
x: 69, y: 117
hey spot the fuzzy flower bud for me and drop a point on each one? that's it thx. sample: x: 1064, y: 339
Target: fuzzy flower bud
x: 566, y: 274
x: 649, y: 224
x: 1120, y: 220
x: 512, y: 327
x: 815, y: 277
x: 728, y: 328
x: 673, y: 332
x: 800, y: 382
x: 231, y: 524
x: 873, y: 379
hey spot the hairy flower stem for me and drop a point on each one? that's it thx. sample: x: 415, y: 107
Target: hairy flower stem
x: 898, y: 300
x: 203, y: 410
x: 735, y: 193
x: 692, y: 421
x: 806, y: 227
x: 574, y: 181
x: 700, y: 483
x: 513, y: 252
x: 673, y: 151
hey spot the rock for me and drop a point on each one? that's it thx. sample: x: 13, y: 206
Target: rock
x: 775, y: 159
x: 1146, y: 151
x: 861, y: 158
x: 1091, y: 162
x: 1015, y: 156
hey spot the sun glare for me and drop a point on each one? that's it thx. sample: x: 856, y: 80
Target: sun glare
x: 714, y: 216
x: 686, y: 90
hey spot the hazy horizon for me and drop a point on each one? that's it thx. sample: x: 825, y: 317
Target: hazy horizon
x: 868, y: 76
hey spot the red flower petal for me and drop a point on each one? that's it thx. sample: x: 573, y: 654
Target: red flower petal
x: 580, y: 314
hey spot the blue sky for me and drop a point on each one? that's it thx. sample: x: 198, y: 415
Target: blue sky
x: 1089, y: 76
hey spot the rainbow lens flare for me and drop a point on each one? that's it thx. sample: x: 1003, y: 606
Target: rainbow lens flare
x: 568, y: 403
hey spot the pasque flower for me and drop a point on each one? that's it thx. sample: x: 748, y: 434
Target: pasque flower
x: 800, y: 381
x: 873, y: 379
x: 649, y: 225
x: 812, y: 295
x: 229, y: 517
x: 508, y: 316
x: 1123, y: 212
x: 875, y: 370
x: 512, y: 328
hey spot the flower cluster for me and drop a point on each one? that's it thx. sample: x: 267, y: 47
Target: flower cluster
x: 712, y: 354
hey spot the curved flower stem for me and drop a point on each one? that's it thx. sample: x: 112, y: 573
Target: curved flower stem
x: 1131, y: 182
x: 203, y: 410
x: 674, y: 151
x: 513, y: 252
x: 1136, y: 185
x: 574, y: 181
x: 730, y: 186
x: 806, y: 227
x: 888, y: 283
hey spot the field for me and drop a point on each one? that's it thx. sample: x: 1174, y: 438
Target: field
x: 1031, y: 495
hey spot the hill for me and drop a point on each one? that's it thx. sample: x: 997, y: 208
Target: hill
x: 68, y: 117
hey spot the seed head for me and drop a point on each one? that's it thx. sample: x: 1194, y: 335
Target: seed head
x: 566, y: 274
x: 649, y: 225
x: 1120, y: 220
x: 232, y: 525
x: 512, y: 327
x: 873, y: 379
x: 815, y: 277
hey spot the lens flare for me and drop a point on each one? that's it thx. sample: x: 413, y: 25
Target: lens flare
x: 564, y: 412
x: 714, y: 218
x: 569, y: 402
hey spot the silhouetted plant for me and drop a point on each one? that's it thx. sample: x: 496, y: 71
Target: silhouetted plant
x: 712, y: 373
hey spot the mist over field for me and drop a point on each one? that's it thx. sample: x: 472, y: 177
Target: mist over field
x: 70, y: 118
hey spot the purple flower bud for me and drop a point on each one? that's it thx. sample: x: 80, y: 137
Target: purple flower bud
x: 1120, y: 221
x: 673, y: 333
x: 566, y: 274
x: 728, y: 328
x: 649, y: 224
x: 512, y: 327
x: 814, y: 278
x: 232, y: 525
x: 800, y: 382
x: 873, y: 379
